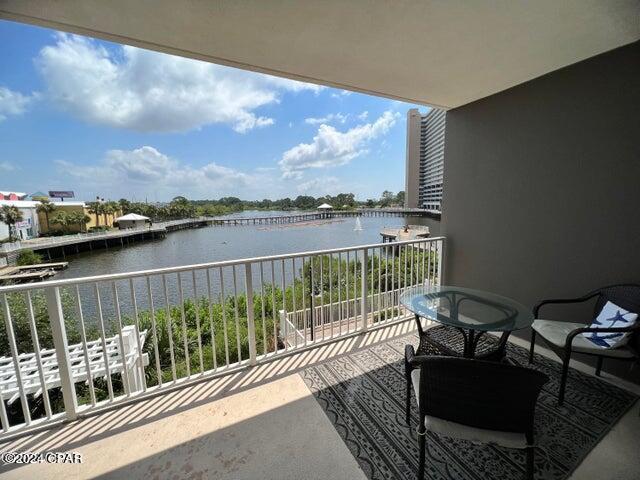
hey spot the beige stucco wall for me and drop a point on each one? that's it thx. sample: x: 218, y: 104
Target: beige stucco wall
x: 72, y: 208
x: 541, y: 197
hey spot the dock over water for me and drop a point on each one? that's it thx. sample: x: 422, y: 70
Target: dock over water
x: 413, y: 232
x: 30, y: 273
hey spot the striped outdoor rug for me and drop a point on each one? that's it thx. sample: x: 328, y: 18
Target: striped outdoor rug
x: 363, y: 394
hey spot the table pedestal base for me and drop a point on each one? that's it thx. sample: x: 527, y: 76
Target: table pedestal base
x: 456, y: 342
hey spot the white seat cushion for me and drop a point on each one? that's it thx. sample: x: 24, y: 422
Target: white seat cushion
x: 465, y: 432
x: 556, y: 333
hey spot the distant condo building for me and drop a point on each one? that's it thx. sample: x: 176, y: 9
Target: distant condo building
x: 425, y: 159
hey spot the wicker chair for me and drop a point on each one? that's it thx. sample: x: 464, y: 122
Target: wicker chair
x: 476, y: 400
x: 565, y: 337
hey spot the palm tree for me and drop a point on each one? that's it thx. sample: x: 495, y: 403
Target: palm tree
x: 79, y: 218
x: 83, y: 221
x: 163, y: 212
x: 109, y: 208
x: 46, y: 207
x: 63, y: 219
x: 106, y: 210
x: 125, y: 205
x: 10, y: 215
x: 150, y: 211
x: 95, y: 208
x: 181, y: 207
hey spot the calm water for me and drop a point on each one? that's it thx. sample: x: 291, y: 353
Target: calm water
x: 210, y: 244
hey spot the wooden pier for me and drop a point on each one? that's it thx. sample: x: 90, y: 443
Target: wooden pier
x: 311, y: 216
x: 273, y: 220
x: 30, y: 273
x: 59, y: 247
x: 412, y: 232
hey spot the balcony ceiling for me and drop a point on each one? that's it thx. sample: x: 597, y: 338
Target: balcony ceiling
x: 442, y: 53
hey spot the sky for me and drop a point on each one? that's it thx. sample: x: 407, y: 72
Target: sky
x: 115, y: 121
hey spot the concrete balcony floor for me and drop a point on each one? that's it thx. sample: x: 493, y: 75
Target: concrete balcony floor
x: 257, y: 423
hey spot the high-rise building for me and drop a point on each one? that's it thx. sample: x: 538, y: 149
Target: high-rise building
x: 425, y: 159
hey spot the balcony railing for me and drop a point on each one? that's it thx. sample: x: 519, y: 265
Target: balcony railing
x: 75, y: 346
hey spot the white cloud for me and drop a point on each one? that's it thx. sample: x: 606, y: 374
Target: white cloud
x: 14, y: 103
x: 331, y: 147
x: 363, y: 116
x: 332, y: 117
x: 341, y: 93
x: 154, y: 92
x: 320, y: 186
x: 6, y: 167
x: 146, y: 167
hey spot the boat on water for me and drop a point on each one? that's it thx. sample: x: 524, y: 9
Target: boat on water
x: 358, y: 227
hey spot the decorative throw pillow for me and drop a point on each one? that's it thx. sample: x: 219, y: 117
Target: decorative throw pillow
x: 611, y: 316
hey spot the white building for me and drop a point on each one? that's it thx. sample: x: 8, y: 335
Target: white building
x: 29, y: 226
x: 425, y: 159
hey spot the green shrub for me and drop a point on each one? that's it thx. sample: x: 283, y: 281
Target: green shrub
x: 28, y: 257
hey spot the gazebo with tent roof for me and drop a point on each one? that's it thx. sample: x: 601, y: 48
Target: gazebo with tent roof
x: 132, y: 220
x: 326, y: 209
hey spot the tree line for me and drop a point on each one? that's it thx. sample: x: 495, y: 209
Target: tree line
x: 181, y: 207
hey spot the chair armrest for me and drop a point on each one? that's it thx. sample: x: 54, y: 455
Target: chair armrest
x: 589, y: 296
x: 574, y: 333
x: 410, y: 357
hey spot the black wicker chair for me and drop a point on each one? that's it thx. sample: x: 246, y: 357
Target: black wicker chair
x: 565, y: 337
x: 475, y: 400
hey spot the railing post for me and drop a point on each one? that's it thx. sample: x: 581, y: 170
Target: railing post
x: 129, y: 336
x: 251, y: 327
x: 440, y: 263
x: 364, y: 310
x: 59, y: 334
x: 282, y: 334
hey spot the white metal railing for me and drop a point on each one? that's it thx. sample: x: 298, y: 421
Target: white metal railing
x: 39, y: 370
x: 383, y: 306
x: 190, y: 322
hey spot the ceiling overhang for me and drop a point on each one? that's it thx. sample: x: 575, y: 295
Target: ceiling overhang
x: 440, y: 53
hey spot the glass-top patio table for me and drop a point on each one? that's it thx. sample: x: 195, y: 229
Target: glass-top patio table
x: 472, y: 312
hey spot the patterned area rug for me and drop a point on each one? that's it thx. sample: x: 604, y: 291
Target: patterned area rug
x: 363, y: 395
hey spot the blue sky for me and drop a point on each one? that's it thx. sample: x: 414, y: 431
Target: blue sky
x: 116, y: 121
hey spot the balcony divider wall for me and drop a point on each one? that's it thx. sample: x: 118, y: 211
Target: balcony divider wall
x: 541, y: 186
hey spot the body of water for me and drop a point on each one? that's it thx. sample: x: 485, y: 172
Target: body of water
x: 210, y: 244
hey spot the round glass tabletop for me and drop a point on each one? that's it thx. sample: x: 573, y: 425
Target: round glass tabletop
x: 467, y: 308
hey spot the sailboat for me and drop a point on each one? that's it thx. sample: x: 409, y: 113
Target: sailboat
x: 358, y: 227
